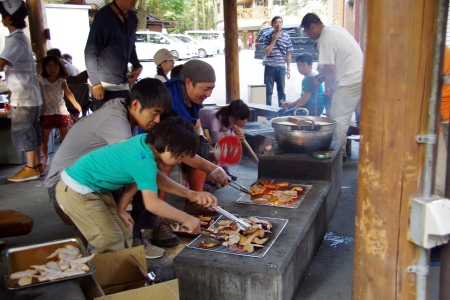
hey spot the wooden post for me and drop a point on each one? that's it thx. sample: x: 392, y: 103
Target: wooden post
x: 231, y: 50
x: 395, y: 96
x: 36, y: 20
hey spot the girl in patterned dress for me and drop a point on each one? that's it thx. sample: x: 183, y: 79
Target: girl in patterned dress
x: 54, y: 113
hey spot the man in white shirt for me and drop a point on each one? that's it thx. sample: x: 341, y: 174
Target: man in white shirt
x: 342, y: 61
x: 25, y: 100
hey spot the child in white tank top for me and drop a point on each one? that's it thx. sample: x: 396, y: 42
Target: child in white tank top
x: 54, y: 113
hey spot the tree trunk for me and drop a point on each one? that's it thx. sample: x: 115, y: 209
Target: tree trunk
x: 394, y: 109
x: 142, y: 15
x: 196, y: 14
x: 203, y: 14
x: 36, y: 20
x: 209, y: 14
x: 231, y: 50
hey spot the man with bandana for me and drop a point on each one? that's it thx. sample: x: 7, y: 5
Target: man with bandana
x: 196, y: 83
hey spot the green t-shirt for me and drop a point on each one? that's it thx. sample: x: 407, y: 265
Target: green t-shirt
x: 110, y: 167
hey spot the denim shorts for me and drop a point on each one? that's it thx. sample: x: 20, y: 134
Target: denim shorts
x: 25, y: 129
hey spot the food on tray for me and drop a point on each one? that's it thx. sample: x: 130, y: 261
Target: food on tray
x: 269, y: 192
x: 19, y: 275
x: 241, y: 240
x: 205, y: 222
x: 70, y: 263
x: 284, y: 196
x: 206, y: 245
x: 265, y: 224
x: 257, y: 189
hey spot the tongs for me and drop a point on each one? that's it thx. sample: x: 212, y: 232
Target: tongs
x: 212, y: 234
x: 240, y: 223
x: 239, y: 187
x: 150, y: 276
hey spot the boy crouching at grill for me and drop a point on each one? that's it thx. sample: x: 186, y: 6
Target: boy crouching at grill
x: 84, y: 191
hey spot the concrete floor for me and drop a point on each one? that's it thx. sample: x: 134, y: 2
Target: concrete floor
x: 330, y: 274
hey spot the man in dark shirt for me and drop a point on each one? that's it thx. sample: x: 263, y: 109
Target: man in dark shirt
x: 109, y: 49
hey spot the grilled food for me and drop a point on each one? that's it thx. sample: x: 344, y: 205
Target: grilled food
x: 71, y: 262
x: 268, y: 192
x: 241, y: 240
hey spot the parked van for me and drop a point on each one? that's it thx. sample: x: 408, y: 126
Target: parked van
x: 203, y: 48
x: 216, y: 37
x: 148, y: 42
x: 300, y: 42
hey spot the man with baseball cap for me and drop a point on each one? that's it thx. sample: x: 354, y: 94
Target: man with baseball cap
x: 164, y: 61
x: 21, y: 78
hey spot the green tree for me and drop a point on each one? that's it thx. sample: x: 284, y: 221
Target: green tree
x: 169, y: 10
x: 179, y: 11
x: 166, y: 8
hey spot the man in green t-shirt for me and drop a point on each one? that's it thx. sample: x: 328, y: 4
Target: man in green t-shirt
x: 84, y: 191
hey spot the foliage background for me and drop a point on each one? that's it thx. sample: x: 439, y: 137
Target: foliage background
x: 180, y: 11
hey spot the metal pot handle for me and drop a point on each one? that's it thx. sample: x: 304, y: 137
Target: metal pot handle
x: 303, y: 109
x: 301, y: 120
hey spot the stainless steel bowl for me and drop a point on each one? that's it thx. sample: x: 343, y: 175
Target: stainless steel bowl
x: 303, y: 134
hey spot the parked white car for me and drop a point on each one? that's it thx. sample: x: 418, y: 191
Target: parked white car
x: 215, y: 37
x: 203, y: 48
x: 148, y: 42
x: 192, y: 46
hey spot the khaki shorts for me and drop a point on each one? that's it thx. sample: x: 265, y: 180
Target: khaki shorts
x: 95, y: 215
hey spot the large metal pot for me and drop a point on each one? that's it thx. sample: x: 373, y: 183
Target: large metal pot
x: 303, y: 134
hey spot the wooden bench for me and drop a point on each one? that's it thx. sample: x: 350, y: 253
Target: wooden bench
x: 13, y: 223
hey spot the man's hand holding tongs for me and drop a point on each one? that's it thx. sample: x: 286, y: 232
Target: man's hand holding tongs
x: 203, y: 198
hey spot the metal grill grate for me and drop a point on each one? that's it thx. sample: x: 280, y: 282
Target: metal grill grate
x: 278, y: 225
x: 247, y: 199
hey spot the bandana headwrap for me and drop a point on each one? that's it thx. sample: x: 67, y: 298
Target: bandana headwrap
x: 198, y: 71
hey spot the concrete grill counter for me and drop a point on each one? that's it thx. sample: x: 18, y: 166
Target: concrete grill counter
x: 278, y: 274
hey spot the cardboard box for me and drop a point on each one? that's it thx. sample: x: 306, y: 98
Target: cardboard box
x: 118, y: 278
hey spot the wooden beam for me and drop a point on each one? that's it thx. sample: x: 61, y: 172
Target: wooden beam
x: 395, y: 95
x: 36, y: 20
x: 231, y: 50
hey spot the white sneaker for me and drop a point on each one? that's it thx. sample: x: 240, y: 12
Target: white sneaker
x: 151, y: 251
